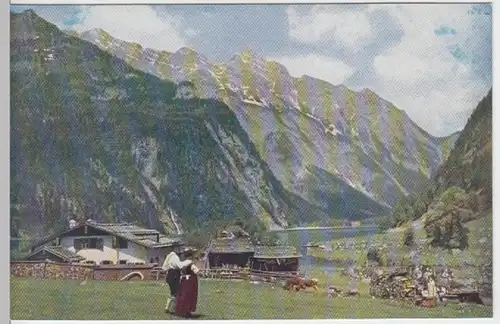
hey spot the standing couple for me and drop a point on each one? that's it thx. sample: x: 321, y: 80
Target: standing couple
x: 183, y: 282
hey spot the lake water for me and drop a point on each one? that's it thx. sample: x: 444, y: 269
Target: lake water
x: 300, y: 237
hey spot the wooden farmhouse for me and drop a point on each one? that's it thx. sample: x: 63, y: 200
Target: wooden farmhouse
x: 229, y: 253
x: 106, y: 243
x: 237, y: 251
x: 275, y: 259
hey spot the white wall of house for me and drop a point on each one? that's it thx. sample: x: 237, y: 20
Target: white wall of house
x: 134, y: 253
x: 159, y: 253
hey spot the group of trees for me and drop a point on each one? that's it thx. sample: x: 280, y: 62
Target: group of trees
x: 410, y: 208
x: 257, y: 231
x: 444, y: 226
x: 472, y: 173
x: 449, y: 234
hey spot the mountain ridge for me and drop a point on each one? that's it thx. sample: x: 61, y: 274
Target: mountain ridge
x: 247, y: 52
x: 247, y: 82
x: 462, y: 183
x: 341, y: 144
x: 96, y: 138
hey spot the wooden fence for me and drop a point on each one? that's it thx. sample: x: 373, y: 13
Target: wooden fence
x: 52, y: 270
x: 245, y: 274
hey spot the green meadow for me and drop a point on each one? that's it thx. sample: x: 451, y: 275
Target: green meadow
x: 33, y: 299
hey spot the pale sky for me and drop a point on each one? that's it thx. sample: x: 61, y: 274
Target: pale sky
x: 431, y: 60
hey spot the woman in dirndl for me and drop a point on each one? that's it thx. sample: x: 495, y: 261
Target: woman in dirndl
x: 187, y: 295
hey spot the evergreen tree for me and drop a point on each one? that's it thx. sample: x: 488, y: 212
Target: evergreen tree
x: 408, y: 237
x: 461, y: 234
x: 374, y: 256
x: 436, y: 236
x: 448, y: 234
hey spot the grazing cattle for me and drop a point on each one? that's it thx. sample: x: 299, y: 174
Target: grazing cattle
x: 293, y: 283
x: 298, y: 283
x: 312, y: 283
x: 352, y: 292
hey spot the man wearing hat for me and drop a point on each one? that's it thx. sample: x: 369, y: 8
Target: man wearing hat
x: 173, y: 266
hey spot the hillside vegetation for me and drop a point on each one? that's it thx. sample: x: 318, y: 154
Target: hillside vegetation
x: 462, y: 186
x: 92, y: 137
x: 351, y: 154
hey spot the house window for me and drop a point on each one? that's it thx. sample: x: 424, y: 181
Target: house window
x: 123, y: 261
x: 119, y: 243
x: 106, y: 262
x: 88, y: 243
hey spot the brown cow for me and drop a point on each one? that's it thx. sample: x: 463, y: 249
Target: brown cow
x: 298, y: 284
x: 293, y: 283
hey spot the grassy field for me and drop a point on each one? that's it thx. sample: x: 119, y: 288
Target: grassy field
x: 144, y: 300
x: 392, y: 247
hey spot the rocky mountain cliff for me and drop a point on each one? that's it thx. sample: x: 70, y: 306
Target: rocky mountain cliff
x: 469, y: 165
x: 468, y: 174
x: 456, y: 207
x: 468, y: 170
x: 93, y: 137
x: 461, y: 189
x: 336, y: 148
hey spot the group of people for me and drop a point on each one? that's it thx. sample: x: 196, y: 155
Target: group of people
x: 182, y: 280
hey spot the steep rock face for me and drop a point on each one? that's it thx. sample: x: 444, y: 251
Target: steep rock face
x: 459, y: 196
x: 468, y: 169
x: 467, y: 173
x: 469, y: 165
x: 93, y: 137
x: 299, y: 124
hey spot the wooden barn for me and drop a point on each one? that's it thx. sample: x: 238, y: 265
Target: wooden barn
x: 233, y: 249
x: 275, y: 259
x: 229, y: 253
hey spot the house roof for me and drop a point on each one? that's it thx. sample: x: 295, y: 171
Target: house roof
x: 273, y: 252
x: 130, y: 232
x: 236, y: 245
x: 243, y: 245
x: 149, y: 241
x: 124, y: 228
x: 58, y: 251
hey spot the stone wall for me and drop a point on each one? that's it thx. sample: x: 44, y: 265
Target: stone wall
x: 67, y: 271
x: 27, y: 269
x: 51, y: 270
